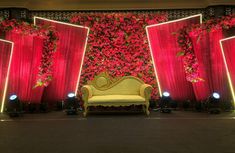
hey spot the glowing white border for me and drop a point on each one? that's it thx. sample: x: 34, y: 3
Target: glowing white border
x: 154, y: 66
x: 8, y: 72
x: 226, y: 67
x: 73, y: 25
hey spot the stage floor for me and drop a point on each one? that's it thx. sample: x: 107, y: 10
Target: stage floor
x: 178, y: 132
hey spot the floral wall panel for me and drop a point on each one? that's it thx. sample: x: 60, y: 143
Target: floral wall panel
x: 169, y: 68
x: 202, y: 56
x: 68, y: 59
x: 26, y: 60
x: 31, y: 64
x: 118, y: 44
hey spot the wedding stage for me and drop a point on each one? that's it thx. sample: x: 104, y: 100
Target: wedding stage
x: 44, y: 62
x: 117, y: 76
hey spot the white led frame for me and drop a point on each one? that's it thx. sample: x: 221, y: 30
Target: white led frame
x: 226, y: 67
x: 154, y: 25
x: 7, y: 77
x: 73, y: 25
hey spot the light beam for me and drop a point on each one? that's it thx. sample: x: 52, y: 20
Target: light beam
x: 7, y: 77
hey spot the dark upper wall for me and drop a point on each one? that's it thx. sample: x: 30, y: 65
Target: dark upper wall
x: 111, y: 4
x: 63, y: 9
x: 25, y: 14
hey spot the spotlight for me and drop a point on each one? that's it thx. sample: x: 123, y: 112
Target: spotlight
x: 213, y: 103
x: 71, y: 95
x: 165, y: 103
x: 166, y: 94
x: 13, y: 97
x: 14, y: 107
x: 216, y: 95
x: 71, y: 104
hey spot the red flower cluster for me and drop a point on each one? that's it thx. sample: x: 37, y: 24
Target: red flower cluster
x: 118, y: 44
x: 190, y: 61
x: 50, y: 42
x: 49, y: 47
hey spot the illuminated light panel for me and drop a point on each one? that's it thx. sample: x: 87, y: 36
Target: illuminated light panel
x: 76, y: 89
x: 7, y: 77
x: 154, y: 66
x: 226, y: 67
x: 83, y: 55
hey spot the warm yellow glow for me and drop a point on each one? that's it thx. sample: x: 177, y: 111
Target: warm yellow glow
x: 69, y: 24
x: 226, y: 67
x: 7, y: 77
x: 154, y: 25
x: 154, y: 66
x: 181, y: 19
x: 74, y: 25
x: 76, y: 89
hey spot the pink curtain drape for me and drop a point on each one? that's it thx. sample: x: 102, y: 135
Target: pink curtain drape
x: 169, y: 67
x: 5, y: 52
x: 24, y: 67
x: 67, y: 61
x: 211, y: 65
x: 229, y: 52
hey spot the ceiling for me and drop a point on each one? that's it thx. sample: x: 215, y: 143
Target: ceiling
x: 111, y: 4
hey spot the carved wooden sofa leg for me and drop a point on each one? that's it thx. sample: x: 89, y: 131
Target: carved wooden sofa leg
x: 85, y: 111
x: 147, y: 110
x: 144, y: 109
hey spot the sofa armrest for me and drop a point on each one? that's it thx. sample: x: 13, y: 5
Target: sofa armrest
x: 145, y: 91
x: 86, y: 93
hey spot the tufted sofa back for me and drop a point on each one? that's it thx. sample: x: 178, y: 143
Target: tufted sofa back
x: 125, y: 86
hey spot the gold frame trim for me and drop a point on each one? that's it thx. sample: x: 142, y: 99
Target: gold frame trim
x: 111, y: 81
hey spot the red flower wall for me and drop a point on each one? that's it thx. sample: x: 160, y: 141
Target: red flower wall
x: 118, y: 44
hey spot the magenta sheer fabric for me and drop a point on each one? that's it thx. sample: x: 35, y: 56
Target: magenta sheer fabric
x: 169, y: 67
x: 5, y: 52
x: 211, y: 65
x: 67, y: 61
x: 229, y: 52
x: 24, y: 67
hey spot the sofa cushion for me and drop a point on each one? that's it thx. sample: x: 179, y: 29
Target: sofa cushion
x: 116, y: 99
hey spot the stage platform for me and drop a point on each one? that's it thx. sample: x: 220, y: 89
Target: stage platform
x: 178, y: 132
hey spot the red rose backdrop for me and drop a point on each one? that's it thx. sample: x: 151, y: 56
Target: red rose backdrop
x: 118, y: 44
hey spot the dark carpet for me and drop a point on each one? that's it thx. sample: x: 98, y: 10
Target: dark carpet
x: 178, y: 132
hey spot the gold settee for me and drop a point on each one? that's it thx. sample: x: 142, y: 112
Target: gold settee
x: 106, y: 91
